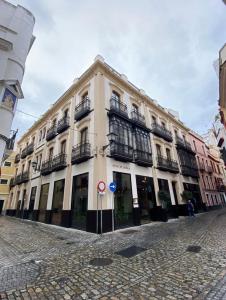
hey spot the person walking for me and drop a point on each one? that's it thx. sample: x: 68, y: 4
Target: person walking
x: 190, y: 209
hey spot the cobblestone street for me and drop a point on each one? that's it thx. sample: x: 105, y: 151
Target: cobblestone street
x: 181, y: 259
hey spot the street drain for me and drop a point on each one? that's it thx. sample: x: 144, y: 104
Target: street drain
x: 129, y: 231
x: 70, y: 243
x: 100, y: 262
x: 194, y: 249
x: 131, y: 251
x: 61, y: 238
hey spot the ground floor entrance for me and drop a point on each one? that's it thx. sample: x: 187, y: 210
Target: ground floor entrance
x: 146, y: 197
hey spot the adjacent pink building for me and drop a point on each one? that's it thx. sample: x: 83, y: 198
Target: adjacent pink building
x: 211, y: 171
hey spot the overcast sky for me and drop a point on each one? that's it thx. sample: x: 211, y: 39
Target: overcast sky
x: 165, y: 47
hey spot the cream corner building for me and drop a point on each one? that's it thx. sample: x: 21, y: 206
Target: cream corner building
x: 103, y: 128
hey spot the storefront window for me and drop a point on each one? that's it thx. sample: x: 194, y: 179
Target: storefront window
x: 79, y: 201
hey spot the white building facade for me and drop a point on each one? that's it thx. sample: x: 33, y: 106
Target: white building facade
x: 16, y: 39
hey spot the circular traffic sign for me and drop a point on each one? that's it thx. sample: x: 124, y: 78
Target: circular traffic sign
x: 112, y: 187
x: 101, y: 186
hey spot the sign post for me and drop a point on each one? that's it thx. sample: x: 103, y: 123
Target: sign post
x: 100, y: 191
x: 112, y: 188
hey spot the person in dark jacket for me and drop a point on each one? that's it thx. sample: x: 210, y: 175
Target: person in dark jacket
x: 190, y: 208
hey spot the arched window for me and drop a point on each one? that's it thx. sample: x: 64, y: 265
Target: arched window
x: 85, y: 96
x: 66, y: 113
x: 63, y: 147
x: 158, y: 149
x: 168, y: 154
x: 135, y: 108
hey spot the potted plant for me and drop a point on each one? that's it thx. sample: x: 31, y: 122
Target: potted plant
x: 164, y: 198
x: 186, y: 195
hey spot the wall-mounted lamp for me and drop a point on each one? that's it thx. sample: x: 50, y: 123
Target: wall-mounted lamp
x: 112, y: 138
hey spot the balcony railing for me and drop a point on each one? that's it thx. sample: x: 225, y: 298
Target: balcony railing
x: 143, y: 158
x: 121, y: 152
x: 221, y: 188
x: 161, y: 132
x: 12, y: 183
x: 63, y: 124
x: 189, y: 171
x: 118, y: 107
x: 24, y: 153
x: 21, y: 178
x: 51, y: 133
x: 209, y: 169
x: 181, y: 143
x: 30, y: 148
x: 137, y: 117
x: 46, y: 167
x: 17, y: 158
x: 202, y: 167
x: 82, y: 109
x: 165, y: 164
x: 59, y: 162
x: 81, y: 153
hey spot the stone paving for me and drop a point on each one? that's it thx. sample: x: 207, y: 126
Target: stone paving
x: 39, y: 261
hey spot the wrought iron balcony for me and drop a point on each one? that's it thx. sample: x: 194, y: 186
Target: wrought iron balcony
x: 137, y: 118
x: 30, y: 148
x: 202, y: 167
x: 25, y: 177
x: 118, y: 107
x: 209, y: 169
x: 21, y: 178
x: 189, y: 171
x: 59, y: 162
x: 143, y: 158
x: 17, y: 158
x: 221, y: 188
x: 51, y: 133
x: 182, y: 144
x: 46, y: 167
x: 162, y: 132
x: 121, y: 152
x: 81, y: 153
x: 24, y: 153
x: 63, y: 124
x: 12, y: 183
x: 165, y: 164
x: 82, y: 109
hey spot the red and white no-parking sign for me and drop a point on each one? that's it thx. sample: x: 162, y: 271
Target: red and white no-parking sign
x: 101, y: 186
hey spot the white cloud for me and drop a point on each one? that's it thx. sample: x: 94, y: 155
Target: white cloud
x: 165, y: 47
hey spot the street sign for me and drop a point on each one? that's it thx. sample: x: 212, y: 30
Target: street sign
x: 101, y: 186
x: 112, y: 187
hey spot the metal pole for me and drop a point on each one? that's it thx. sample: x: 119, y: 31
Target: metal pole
x: 113, y: 221
x: 97, y: 214
x: 101, y: 224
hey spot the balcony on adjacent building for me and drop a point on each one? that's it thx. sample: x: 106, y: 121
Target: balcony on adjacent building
x: 63, y: 124
x: 17, y: 179
x: 182, y: 144
x: 121, y: 151
x: 166, y: 164
x: 82, y: 109
x: 59, y: 162
x: 30, y: 148
x: 24, y: 153
x: 17, y: 158
x: 189, y: 171
x: 51, y: 133
x: 46, y: 167
x: 81, y: 153
x: 143, y: 158
x: 118, y: 108
x: 202, y: 167
x: 162, y: 132
x: 138, y: 118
